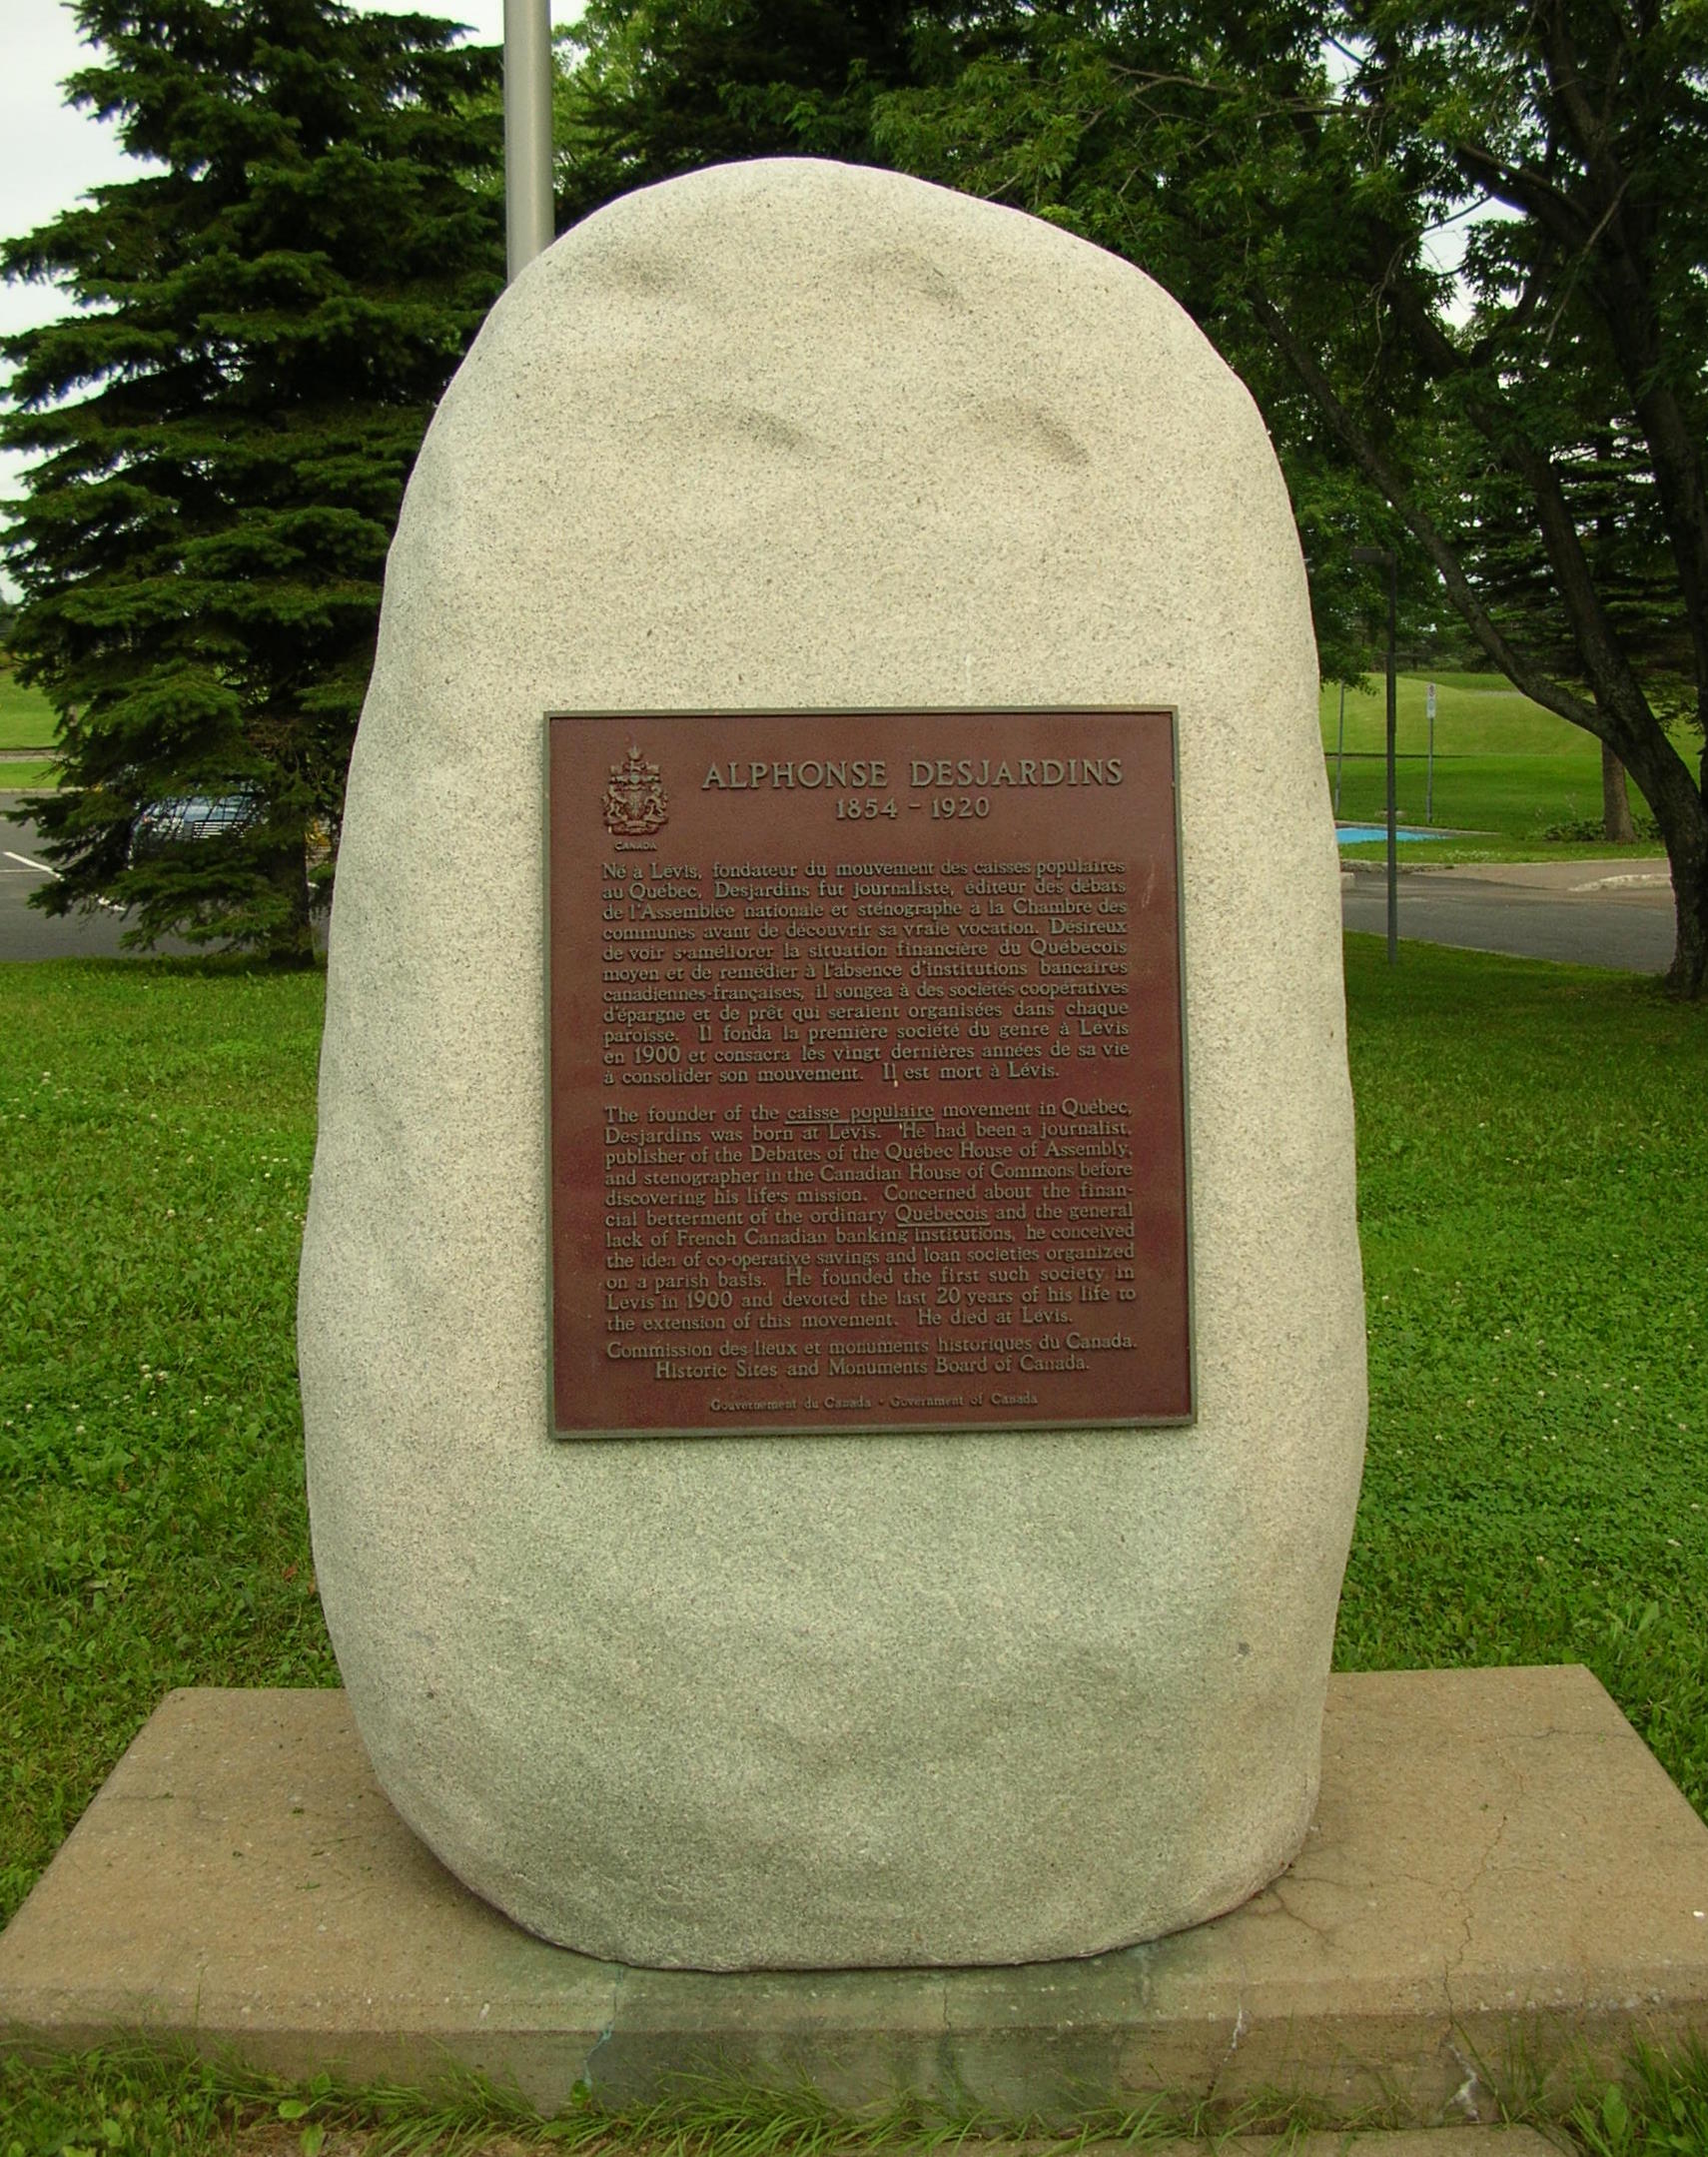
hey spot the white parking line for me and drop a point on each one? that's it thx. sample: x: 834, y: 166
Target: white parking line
x: 47, y: 868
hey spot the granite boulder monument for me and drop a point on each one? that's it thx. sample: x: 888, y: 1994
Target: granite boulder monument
x: 831, y: 1325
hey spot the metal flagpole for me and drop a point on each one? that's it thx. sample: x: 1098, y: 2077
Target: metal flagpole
x: 1393, y: 746
x: 527, y: 132
x: 1382, y: 557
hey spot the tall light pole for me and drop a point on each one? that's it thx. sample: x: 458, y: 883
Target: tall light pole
x: 528, y: 132
x: 1383, y: 558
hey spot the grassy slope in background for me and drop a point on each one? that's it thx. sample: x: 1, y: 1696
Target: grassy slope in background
x: 1507, y: 771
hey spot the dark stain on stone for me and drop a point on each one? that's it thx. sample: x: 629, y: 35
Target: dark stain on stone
x: 754, y: 424
x: 1031, y: 430
x: 911, y: 275
x: 641, y: 273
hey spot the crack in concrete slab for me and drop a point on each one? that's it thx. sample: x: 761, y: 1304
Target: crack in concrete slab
x: 1467, y: 1893
x: 1232, y: 2045
x: 1325, y: 1933
x: 1463, y: 2099
x: 604, y: 2036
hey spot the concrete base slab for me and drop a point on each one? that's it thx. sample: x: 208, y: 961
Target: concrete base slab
x: 1501, y: 1891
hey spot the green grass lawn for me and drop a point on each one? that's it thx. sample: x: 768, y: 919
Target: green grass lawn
x: 1532, y: 1193
x: 1507, y: 771
x: 26, y: 717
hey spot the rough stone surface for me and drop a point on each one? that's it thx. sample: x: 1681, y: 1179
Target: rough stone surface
x: 791, y: 435
x: 1501, y: 1891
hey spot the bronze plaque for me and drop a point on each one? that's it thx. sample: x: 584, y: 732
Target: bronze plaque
x: 867, y: 1077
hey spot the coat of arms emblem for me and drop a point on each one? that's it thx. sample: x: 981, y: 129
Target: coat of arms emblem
x: 636, y: 801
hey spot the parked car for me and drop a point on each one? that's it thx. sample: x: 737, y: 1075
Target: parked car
x: 183, y: 820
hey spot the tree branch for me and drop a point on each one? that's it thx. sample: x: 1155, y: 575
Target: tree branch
x: 1619, y: 694
x: 1522, y: 671
x: 1522, y: 189
x: 1616, y: 252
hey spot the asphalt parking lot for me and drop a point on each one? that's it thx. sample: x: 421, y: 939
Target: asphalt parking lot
x: 24, y: 931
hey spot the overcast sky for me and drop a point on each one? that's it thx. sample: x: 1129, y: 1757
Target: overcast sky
x: 50, y: 154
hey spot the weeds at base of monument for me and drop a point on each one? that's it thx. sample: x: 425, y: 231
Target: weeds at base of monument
x: 135, y: 2099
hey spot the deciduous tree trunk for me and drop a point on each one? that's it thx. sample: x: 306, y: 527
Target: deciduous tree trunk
x: 1616, y: 821
x: 1682, y: 814
x: 1690, y: 974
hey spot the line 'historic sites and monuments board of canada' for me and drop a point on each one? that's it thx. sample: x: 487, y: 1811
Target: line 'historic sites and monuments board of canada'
x: 867, y: 1087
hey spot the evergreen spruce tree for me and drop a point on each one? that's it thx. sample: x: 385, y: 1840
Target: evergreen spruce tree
x: 655, y: 88
x: 266, y: 317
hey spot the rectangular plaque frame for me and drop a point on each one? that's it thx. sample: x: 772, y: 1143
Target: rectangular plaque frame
x: 586, y: 769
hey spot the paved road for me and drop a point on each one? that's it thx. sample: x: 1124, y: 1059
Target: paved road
x: 1594, y: 913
